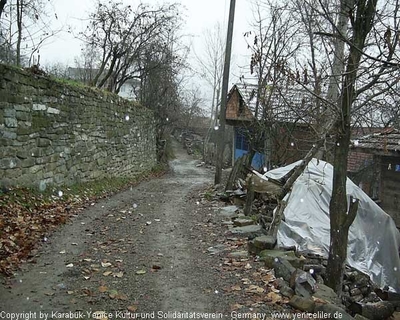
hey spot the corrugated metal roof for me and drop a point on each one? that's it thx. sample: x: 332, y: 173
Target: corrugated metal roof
x: 290, y: 104
x: 386, y: 141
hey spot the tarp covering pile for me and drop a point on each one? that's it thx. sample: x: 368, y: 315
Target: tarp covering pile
x: 374, y: 240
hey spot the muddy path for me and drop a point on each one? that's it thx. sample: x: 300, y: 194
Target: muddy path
x: 142, y: 250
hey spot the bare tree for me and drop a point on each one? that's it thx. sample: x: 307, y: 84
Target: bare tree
x: 25, y: 28
x: 86, y: 65
x: 273, y: 42
x: 122, y: 34
x: 363, y: 68
x: 354, y: 79
x: 161, y: 84
x: 212, y: 61
x: 191, y: 107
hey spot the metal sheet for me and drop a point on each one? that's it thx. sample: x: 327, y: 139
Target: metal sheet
x: 374, y: 240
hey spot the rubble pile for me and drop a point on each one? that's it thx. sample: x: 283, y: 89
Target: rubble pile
x: 193, y: 143
x: 300, y: 275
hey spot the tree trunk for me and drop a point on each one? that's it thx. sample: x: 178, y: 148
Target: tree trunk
x: 109, y: 73
x: 104, y: 62
x: 19, y: 27
x: 273, y: 231
x: 341, y: 214
x: 338, y: 214
x: 249, y: 198
x: 292, y: 176
x: 239, y: 169
x: 2, y: 5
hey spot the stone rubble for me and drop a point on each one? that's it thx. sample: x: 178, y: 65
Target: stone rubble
x: 300, y: 276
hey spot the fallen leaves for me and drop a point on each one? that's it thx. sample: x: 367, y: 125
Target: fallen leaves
x: 114, y: 294
x: 103, y: 289
x: 25, y: 220
x: 274, y: 297
x: 118, y: 274
x: 236, y: 306
x: 27, y: 217
x: 155, y: 268
x: 132, y: 308
x: 236, y: 288
x: 254, y: 289
x: 141, y: 272
x: 255, y: 286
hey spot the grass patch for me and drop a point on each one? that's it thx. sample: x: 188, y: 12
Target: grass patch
x: 208, y: 195
x: 69, y: 82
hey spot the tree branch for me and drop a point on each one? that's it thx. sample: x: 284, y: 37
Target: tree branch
x: 353, y: 208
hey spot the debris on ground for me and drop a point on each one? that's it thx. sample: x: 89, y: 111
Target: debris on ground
x: 296, y: 278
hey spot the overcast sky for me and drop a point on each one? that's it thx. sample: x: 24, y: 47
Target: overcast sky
x: 198, y: 15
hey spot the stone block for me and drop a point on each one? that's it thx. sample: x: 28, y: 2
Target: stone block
x: 270, y: 256
x: 24, y: 129
x: 39, y: 107
x: 229, y: 212
x: 332, y: 311
x: 248, y: 231
x: 53, y: 110
x: 22, y: 139
x: 303, y: 283
x: 37, y: 152
x: 43, y: 142
x: 42, y: 185
x: 239, y: 254
x: 7, y: 152
x: 9, y: 113
x: 101, y: 161
x: 23, y: 116
x: 261, y: 243
x: 42, y: 160
x: 243, y: 222
x: 302, y: 304
x: 13, y: 173
x: 327, y: 294
x: 21, y: 108
x: 35, y: 169
x: 9, y: 135
x: 59, y: 179
x: 52, y: 166
x: 283, y: 269
x: 11, y: 122
x: 9, y: 163
x: 26, y: 163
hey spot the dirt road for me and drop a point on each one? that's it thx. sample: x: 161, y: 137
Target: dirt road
x: 142, y: 250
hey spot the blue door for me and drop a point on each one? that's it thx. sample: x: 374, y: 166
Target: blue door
x: 242, y: 147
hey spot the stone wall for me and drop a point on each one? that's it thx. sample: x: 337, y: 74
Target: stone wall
x: 52, y: 133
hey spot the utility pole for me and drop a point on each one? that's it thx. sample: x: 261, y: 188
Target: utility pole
x: 224, y: 93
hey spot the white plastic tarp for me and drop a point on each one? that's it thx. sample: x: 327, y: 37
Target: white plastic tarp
x: 374, y: 240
